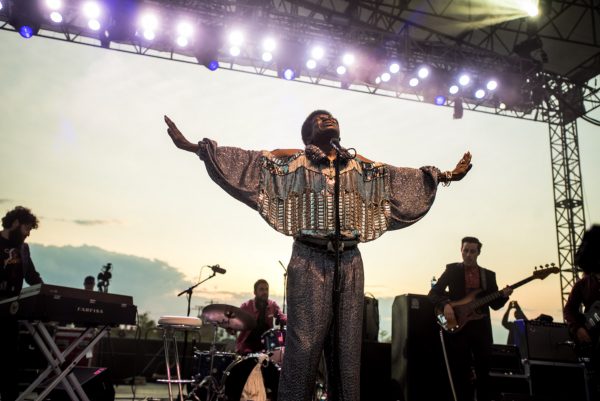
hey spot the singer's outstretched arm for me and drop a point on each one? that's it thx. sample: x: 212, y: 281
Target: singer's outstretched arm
x: 178, y: 138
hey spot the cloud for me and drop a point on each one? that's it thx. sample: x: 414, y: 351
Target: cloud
x: 90, y: 222
x: 94, y: 222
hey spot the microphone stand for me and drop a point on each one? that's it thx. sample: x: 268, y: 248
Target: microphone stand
x: 284, y: 284
x: 337, y: 240
x: 189, y: 293
x: 190, y: 290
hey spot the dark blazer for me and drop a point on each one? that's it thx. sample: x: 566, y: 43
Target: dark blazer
x: 453, y: 279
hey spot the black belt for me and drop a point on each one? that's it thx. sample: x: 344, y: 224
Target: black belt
x: 327, y: 245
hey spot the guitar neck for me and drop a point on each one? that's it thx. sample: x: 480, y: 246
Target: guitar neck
x: 479, y: 302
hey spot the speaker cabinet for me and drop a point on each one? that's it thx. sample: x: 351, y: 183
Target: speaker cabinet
x: 556, y: 381
x: 418, y: 367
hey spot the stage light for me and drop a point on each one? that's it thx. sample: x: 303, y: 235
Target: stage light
x: 269, y: 44
x: 317, y: 52
x: 479, y: 93
x: 502, y: 106
x: 440, y: 100
x: 149, y: 35
x: 413, y: 82
x: 385, y: 77
x: 348, y: 59
x: 234, y: 51
x: 53, y: 4
x: 464, y: 80
x: 1, y: 5
x: 341, y: 70
x: 394, y: 68
x: 423, y: 72
x: 26, y: 31
x: 56, y: 17
x: 94, y: 24
x: 184, y: 31
x: 149, y: 21
x: 492, y: 85
x: 377, y: 80
x: 182, y: 41
x: 149, y: 24
x: 530, y: 7
x: 91, y: 10
x: 453, y: 90
x: 289, y: 74
x: 311, y: 64
x: 236, y: 38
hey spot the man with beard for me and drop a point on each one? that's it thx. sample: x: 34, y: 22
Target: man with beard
x: 16, y: 266
x: 263, y: 310
x: 293, y: 190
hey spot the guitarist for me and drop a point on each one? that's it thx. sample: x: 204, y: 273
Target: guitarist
x: 469, y: 347
x: 584, y: 294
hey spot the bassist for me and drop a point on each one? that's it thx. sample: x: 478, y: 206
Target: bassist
x: 469, y: 347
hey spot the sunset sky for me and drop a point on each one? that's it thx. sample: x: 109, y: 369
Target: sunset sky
x: 85, y: 147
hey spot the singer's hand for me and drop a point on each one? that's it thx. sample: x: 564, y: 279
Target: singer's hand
x: 178, y: 139
x: 462, y: 167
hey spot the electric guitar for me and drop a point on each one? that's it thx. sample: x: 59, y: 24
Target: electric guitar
x: 467, y: 308
x: 592, y: 317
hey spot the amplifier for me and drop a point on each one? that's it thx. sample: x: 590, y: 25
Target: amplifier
x: 505, y: 359
x: 543, y: 341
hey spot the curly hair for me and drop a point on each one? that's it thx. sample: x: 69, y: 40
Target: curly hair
x: 307, y: 125
x: 587, y: 257
x: 23, y: 215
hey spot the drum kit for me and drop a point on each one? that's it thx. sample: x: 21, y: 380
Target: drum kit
x: 223, y: 375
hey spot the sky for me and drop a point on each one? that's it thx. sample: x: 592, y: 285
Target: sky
x: 85, y: 147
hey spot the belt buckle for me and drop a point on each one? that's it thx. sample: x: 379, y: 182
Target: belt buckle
x: 330, y: 247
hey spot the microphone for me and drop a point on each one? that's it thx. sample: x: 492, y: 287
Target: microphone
x: 217, y: 269
x: 343, y: 152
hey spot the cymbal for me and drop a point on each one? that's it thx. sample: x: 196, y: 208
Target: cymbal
x: 228, y: 317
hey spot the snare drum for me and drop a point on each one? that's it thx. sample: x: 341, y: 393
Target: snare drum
x: 236, y: 375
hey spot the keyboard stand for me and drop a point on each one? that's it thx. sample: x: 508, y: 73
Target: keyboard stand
x: 56, y: 360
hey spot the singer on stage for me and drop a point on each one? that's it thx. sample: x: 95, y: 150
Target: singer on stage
x: 293, y: 190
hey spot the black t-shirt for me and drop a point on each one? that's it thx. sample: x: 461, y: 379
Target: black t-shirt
x: 11, y: 268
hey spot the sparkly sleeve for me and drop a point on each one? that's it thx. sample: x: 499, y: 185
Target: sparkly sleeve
x: 412, y: 192
x: 235, y: 170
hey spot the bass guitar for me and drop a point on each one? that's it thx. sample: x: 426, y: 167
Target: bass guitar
x: 467, y: 308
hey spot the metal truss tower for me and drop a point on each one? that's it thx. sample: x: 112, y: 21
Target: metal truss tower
x: 567, y: 183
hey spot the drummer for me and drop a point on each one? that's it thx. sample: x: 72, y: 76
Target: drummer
x: 263, y: 310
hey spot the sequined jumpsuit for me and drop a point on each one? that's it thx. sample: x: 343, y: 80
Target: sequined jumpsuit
x: 294, y: 194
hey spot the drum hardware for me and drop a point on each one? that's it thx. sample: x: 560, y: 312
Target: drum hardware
x: 226, y: 317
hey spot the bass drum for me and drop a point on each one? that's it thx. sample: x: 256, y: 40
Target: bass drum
x: 236, y: 375
x: 220, y: 362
